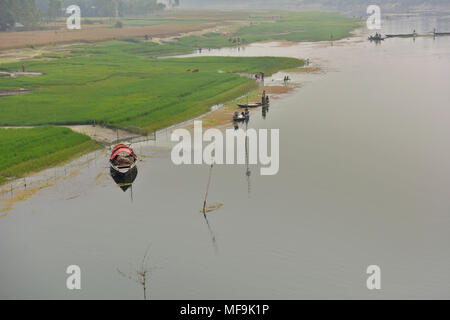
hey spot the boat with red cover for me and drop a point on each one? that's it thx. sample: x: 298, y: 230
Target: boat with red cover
x: 123, y: 158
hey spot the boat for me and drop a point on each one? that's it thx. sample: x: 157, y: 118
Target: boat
x: 240, y: 117
x: 376, y: 38
x: 407, y: 35
x: 250, y: 105
x: 442, y: 33
x: 123, y: 159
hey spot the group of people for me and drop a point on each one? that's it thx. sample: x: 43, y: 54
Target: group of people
x: 286, y: 79
x: 242, y: 116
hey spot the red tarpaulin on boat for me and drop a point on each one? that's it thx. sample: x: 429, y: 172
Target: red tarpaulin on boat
x: 121, y: 148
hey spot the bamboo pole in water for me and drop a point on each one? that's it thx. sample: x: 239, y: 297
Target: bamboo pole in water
x: 213, y: 238
x: 207, y: 189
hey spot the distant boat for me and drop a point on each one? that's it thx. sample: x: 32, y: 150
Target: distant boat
x: 250, y: 105
x: 122, y: 159
x: 375, y: 38
x: 405, y: 35
x: 442, y: 33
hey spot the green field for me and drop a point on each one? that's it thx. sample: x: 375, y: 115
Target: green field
x: 121, y: 89
x: 29, y: 150
x: 151, y: 22
x: 123, y: 83
x: 301, y: 26
x: 292, y: 26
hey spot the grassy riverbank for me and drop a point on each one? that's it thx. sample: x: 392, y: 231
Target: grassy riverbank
x: 31, y: 150
x: 122, y: 83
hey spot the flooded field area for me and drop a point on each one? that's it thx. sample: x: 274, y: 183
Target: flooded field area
x: 364, y: 180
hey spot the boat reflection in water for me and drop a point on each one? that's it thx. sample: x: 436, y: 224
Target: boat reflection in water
x: 265, y: 110
x: 124, y: 180
x: 123, y: 166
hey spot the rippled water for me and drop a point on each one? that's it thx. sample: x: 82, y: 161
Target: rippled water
x: 364, y: 179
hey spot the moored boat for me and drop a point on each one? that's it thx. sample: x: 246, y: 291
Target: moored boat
x: 122, y: 159
x: 241, y: 117
x: 406, y: 35
x: 376, y: 38
x: 442, y: 33
x: 250, y: 105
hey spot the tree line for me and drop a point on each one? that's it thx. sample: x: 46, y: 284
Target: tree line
x: 347, y: 5
x: 108, y: 8
x: 388, y: 5
x: 25, y: 12
x: 30, y: 12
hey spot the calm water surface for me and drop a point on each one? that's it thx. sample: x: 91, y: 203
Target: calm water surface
x: 364, y: 179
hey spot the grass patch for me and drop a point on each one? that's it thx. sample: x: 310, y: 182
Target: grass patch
x: 31, y: 150
x: 301, y: 26
x: 116, y: 85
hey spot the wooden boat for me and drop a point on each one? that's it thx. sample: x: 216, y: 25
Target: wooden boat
x: 240, y: 118
x: 442, y: 33
x: 250, y: 105
x: 373, y: 38
x: 122, y: 158
x: 407, y: 35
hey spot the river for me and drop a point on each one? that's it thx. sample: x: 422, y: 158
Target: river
x: 364, y: 180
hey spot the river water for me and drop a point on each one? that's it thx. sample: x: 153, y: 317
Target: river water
x: 364, y: 180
